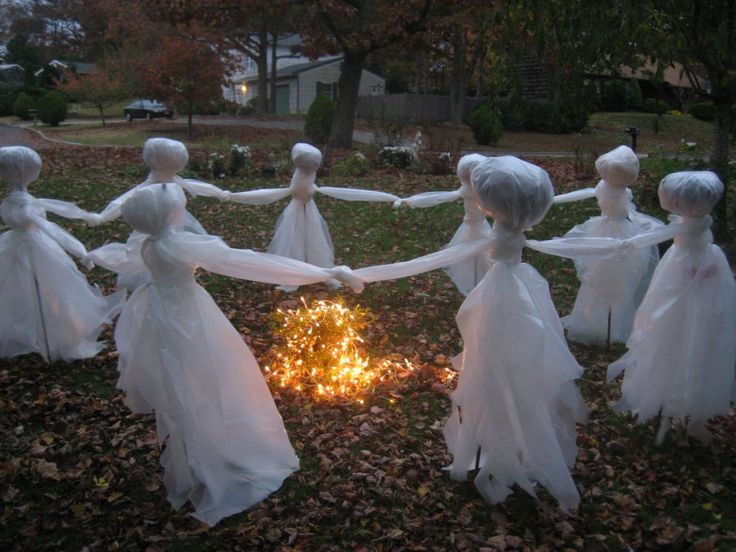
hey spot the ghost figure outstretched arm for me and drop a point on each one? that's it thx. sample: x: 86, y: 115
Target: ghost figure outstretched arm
x: 198, y: 188
x: 65, y: 209
x: 259, y: 197
x: 429, y: 199
x: 113, y: 209
x: 68, y: 242
x: 426, y: 263
x: 356, y: 194
x: 576, y: 195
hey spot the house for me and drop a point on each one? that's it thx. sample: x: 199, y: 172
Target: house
x: 12, y: 74
x: 80, y: 68
x: 298, y: 80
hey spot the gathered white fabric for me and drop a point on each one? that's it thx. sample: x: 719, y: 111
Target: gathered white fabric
x: 612, y: 289
x: 516, y: 398
x: 165, y: 158
x: 301, y: 233
x: 46, y: 304
x: 682, y: 352
x: 225, y: 446
x: 465, y: 274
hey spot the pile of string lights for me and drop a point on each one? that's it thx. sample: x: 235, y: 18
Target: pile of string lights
x: 320, y: 351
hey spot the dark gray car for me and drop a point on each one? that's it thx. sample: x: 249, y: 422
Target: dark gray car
x: 146, y: 109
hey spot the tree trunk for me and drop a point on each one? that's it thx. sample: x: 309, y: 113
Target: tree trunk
x: 272, y: 95
x: 341, y: 135
x: 262, y: 63
x: 459, y: 84
x: 719, y: 162
x: 102, y: 114
x: 190, y: 112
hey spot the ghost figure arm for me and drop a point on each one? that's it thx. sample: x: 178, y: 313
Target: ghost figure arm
x: 198, y: 188
x: 426, y: 263
x: 214, y: 255
x: 354, y: 194
x: 112, y: 211
x: 429, y: 199
x: 657, y: 235
x: 70, y: 244
x: 576, y: 195
x: 65, y: 209
x: 116, y: 257
x: 260, y: 197
x: 575, y: 248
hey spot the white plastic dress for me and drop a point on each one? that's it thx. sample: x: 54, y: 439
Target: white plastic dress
x: 682, y: 351
x: 516, y: 399
x: 225, y: 444
x: 165, y: 158
x: 611, y: 289
x: 301, y: 232
x: 46, y: 304
x: 468, y: 273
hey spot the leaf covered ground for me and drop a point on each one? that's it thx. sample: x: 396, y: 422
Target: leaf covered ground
x: 78, y: 471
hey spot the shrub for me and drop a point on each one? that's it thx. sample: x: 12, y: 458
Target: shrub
x: 23, y: 103
x: 6, y: 105
x: 216, y: 165
x: 653, y: 105
x: 397, y: 156
x: 570, y: 116
x: 241, y: 160
x: 705, y: 111
x: 318, y: 122
x: 52, y: 108
x: 355, y: 165
x: 486, y: 125
x: 620, y: 95
x: 512, y: 112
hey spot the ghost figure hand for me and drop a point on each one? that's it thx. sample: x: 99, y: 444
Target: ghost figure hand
x: 399, y: 203
x: 346, y: 275
x: 93, y: 219
x: 224, y: 195
x: 86, y: 262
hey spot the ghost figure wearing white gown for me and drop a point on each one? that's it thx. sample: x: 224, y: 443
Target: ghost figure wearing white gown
x: 611, y: 289
x: 225, y: 446
x: 682, y: 350
x: 46, y: 304
x: 301, y: 232
x: 516, y: 401
x: 474, y: 226
x: 165, y: 158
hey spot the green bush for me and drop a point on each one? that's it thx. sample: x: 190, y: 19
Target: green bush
x: 318, y: 122
x: 6, y: 105
x: 705, y: 111
x: 570, y: 116
x: 486, y: 125
x: 512, y: 112
x: 355, y: 165
x: 52, y: 108
x: 653, y: 105
x: 399, y: 157
x: 22, y: 105
x: 620, y: 95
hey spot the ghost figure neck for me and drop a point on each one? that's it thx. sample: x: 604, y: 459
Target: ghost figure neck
x: 614, y: 201
x: 155, y: 210
x: 306, y: 160
x: 507, y: 244
x: 19, y: 166
x: 696, y: 234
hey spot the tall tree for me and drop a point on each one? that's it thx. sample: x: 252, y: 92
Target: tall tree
x: 186, y: 73
x: 102, y: 88
x: 355, y: 29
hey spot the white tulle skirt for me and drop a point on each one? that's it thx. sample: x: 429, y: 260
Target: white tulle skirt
x: 302, y: 234
x: 225, y: 445
x: 682, y: 351
x: 610, y: 289
x: 467, y: 274
x: 46, y: 304
x: 516, y: 404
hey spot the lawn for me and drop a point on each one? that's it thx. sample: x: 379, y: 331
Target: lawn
x: 78, y: 470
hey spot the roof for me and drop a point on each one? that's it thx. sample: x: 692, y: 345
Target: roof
x: 297, y: 68
x: 81, y: 67
x: 6, y: 66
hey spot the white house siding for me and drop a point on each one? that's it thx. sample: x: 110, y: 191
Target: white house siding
x: 308, y: 83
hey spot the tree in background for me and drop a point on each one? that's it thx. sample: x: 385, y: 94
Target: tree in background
x: 101, y: 89
x: 186, y: 73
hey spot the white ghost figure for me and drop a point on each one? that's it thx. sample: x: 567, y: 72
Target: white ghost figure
x: 682, y: 350
x: 46, y: 304
x: 516, y: 399
x: 301, y: 232
x: 225, y: 446
x: 611, y: 289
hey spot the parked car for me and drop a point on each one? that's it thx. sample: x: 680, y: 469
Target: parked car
x: 146, y: 109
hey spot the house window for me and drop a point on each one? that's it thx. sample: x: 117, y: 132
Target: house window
x: 328, y: 89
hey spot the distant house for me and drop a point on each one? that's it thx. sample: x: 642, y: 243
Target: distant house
x: 12, y: 74
x: 78, y: 67
x: 298, y: 80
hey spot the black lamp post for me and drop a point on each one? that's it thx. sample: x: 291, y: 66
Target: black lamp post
x: 633, y: 132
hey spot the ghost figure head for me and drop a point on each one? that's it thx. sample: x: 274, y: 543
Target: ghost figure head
x: 306, y: 157
x: 515, y: 193
x: 19, y: 166
x: 619, y: 167
x: 164, y: 156
x: 155, y: 209
x: 690, y: 193
x: 466, y: 165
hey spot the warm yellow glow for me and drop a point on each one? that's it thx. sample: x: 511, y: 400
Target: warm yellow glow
x: 243, y: 88
x: 321, y: 352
